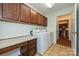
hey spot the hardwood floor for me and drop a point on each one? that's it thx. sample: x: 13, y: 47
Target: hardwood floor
x: 64, y: 41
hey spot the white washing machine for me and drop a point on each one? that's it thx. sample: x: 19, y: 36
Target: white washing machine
x: 42, y: 41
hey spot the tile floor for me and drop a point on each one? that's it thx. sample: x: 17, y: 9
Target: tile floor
x: 59, y: 50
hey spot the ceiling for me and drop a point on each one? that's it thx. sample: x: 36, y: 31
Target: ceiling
x: 41, y: 7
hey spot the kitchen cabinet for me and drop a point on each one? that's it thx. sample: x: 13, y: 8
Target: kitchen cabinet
x: 44, y: 21
x: 25, y: 13
x: 0, y: 11
x: 12, y: 47
x: 39, y: 19
x: 10, y: 11
x: 23, y: 50
x: 20, y: 12
x: 29, y: 49
x: 33, y: 17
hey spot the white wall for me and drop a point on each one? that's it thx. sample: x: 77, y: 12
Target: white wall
x: 52, y: 25
x: 9, y: 29
x: 52, y: 21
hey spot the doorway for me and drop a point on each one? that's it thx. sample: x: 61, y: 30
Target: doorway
x: 63, y: 29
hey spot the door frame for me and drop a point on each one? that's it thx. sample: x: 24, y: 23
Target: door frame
x: 57, y: 27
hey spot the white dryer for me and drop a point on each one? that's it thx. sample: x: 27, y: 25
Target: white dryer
x: 42, y: 41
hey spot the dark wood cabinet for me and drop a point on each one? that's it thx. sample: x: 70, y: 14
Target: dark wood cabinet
x: 44, y: 21
x: 33, y: 17
x: 10, y: 11
x: 23, y: 50
x: 25, y: 13
x: 29, y: 49
x: 20, y: 12
x: 39, y: 19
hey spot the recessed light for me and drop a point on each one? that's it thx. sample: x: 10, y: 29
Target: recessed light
x: 49, y: 5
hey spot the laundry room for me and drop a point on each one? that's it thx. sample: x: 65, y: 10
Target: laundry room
x: 37, y: 29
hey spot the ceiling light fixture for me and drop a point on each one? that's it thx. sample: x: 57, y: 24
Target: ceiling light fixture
x: 49, y: 5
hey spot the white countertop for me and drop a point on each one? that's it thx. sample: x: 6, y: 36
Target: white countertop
x: 13, y: 41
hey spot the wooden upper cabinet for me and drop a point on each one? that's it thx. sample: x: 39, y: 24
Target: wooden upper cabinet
x: 42, y: 20
x: 33, y: 17
x: 10, y: 11
x: 21, y: 13
x: 45, y: 21
x: 39, y: 19
x: 25, y: 13
x: 0, y: 10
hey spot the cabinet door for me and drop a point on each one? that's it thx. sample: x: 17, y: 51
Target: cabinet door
x: 0, y: 11
x: 31, y: 50
x: 25, y: 13
x: 10, y: 11
x: 23, y: 50
x: 39, y: 20
x: 33, y: 17
x: 45, y: 21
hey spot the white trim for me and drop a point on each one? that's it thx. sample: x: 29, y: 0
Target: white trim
x: 75, y: 27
